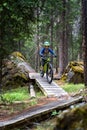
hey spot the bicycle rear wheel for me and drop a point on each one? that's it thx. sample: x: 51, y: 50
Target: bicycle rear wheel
x: 49, y: 73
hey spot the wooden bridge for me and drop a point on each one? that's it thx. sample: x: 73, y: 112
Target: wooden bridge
x: 49, y: 90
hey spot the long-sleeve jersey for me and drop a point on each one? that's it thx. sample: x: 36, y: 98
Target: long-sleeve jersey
x: 46, y: 51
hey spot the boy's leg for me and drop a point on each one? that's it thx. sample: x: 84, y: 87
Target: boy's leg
x: 41, y: 68
x: 42, y: 64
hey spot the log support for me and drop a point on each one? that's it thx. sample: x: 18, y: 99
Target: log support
x: 32, y: 91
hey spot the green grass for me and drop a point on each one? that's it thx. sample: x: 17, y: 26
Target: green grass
x: 18, y: 94
x: 22, y: 93
x: 73, y: 87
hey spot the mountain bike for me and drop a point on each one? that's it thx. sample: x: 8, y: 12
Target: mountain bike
x: 47, y: 69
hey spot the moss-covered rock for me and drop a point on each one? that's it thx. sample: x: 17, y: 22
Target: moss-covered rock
x: 15, y: 71
x: 75, y: 119
x: 74, y: 72
x: 19, y: 55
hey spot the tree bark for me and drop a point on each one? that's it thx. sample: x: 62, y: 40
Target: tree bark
x: 63, y: 47
x: 84, y: 25
x: 52, y: 22
x: 1, y: 52
x: 37, y: 55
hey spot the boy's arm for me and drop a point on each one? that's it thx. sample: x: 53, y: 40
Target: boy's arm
x: 41, y: 52
x: 52, y: 52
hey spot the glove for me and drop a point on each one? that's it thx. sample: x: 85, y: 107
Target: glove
x: 42, y: 55
x: 55, y: 55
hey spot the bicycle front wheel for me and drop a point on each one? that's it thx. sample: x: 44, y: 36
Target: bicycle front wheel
x: 49, y: 73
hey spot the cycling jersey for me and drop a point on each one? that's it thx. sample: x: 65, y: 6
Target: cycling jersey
x: 46, y: 51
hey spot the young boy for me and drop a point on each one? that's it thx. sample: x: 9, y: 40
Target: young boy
x: 44, y: 52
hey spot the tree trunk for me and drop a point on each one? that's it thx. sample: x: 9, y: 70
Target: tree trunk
x: 57, y: 46
x: 0, y: 72
x: 37, y: 55
x: 63, y: 47
x: 1, y: 50
x: 52, y: 33
x: 84, y: 24
x: 19, y: 45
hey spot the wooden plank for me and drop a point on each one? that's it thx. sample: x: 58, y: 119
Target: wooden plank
x: 50, y: 89
x: 33, y: 75
x: 32, y: 92
x: 39, y: 111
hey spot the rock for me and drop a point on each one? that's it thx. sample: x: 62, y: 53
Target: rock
x: 14, y: 71
x: 74, y: 119
x: 74, y: 72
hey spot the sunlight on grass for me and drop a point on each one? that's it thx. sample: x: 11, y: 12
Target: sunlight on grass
x: 73, y: 87
x: 18, y: 94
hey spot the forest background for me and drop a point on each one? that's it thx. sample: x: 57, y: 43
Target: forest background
x: 26, y: 24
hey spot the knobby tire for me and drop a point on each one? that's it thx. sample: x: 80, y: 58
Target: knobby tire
x: 49, y: 73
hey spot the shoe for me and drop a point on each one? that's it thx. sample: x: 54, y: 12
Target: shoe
x: 41, y: 73
x: 41, y: 68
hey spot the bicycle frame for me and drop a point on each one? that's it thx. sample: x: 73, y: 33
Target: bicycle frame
x: 45, y: 64
x: 47, y: 68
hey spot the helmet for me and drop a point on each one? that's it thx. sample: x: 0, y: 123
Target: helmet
x: 46, y: 43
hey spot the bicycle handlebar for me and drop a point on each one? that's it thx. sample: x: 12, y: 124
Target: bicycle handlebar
x: 46, y: 57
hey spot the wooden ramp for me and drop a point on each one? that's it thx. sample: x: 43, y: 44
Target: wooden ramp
x: 48, y: 89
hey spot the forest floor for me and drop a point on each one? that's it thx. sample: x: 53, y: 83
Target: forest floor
x: 7, y: 111
x: 10, y: 110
